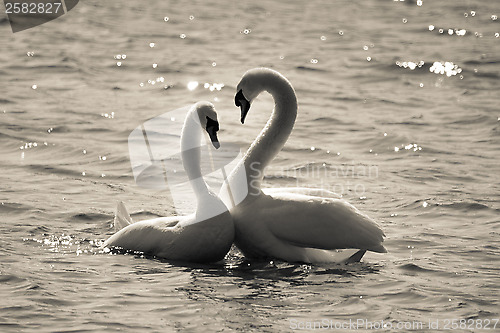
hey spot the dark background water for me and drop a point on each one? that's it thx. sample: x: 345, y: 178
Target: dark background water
x: 414, y: 149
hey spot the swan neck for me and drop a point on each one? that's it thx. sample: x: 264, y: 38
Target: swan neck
x: 276, y: 131
x: 191, y: 152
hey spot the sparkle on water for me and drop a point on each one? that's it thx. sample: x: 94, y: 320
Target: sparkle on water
x: 447, y: 68
x: 213, y: 86
x: 450, y: 31
x: 29, y: 145
x: 108, y: 115
x: 411, y: 146
x: 410, y: 64
x: 192, y: 85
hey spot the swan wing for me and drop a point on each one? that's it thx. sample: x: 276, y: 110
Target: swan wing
x: 321, y: 223
x: 145, y: 236
x: 176, y: 238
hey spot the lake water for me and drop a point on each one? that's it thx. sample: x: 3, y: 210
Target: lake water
x: 398, y: 112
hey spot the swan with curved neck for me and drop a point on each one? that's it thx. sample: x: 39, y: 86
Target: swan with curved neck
x: 300, y: 224
x: 206, y: 235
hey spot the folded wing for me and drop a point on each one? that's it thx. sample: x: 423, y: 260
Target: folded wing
x: 322, y: 223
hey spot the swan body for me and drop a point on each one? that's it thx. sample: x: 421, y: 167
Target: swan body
x: 206, y: 235
x: 298, y: 224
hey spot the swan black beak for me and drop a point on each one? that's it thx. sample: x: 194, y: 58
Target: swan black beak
x: 212, y: 128
x: 241, y: 101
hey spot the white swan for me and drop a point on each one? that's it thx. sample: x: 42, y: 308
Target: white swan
x: 299, y: 224
x: 205, y: 236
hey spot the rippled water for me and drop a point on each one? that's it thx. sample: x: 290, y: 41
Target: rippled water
x: 398, y: 111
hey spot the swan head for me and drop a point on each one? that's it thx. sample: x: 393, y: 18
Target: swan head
x: 252, y: 84
x: 208, y: 120
x: 248, y: 89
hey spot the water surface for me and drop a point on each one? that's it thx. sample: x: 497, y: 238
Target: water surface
x: 397, y: 113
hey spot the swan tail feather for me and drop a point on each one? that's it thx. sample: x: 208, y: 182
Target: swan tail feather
x: 122, y: 217
x: 356, y: 257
